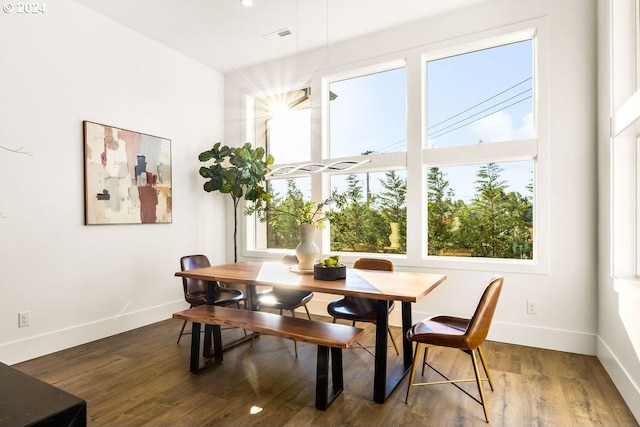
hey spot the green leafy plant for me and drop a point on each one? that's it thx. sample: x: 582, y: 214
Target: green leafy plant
x: 301, y: 211
x: 239, y: 172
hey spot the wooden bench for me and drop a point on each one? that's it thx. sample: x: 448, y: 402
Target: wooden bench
x: 329, y: 337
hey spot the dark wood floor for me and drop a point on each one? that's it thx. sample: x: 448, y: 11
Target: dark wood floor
x: 141, y: 378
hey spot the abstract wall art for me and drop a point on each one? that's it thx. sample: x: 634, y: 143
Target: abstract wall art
x: 127, y: 176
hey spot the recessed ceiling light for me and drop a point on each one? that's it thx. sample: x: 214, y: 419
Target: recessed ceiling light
x: 246, y: 3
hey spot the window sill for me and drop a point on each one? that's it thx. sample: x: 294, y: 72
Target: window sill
x: 433, y: 263
x: 622, y: 284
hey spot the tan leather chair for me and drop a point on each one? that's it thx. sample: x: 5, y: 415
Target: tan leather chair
x: 195, y: 291
x: 465, y: 334
x: 361, y: 309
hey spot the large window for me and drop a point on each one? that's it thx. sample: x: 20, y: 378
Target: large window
x: 283, y: 126
x: 480, y: 125
x: 368, y: 114
x: 368, y: 123
x: 437, y: 155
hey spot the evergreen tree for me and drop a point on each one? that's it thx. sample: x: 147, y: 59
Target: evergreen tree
x: 440, y: 212
x: 357, y: 226
x: 392, y: 202
x: 491, y: 222
x: 282, y: 231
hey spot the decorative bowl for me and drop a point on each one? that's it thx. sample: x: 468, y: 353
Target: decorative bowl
x: 329, y: 273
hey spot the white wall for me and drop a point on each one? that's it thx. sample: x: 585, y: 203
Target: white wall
x: 566, y: 291
x: 79, y: 282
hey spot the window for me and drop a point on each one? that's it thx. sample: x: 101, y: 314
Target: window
x: 480, y: 125
x: 282, y: 233
x: 368, y: 123
x: 375, y: 216
x: 367, y: 114
x: 283, y: 125
x: 625, y: 141
x: 437, y: 152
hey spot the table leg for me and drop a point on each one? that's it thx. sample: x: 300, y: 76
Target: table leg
x: 380, y: 373
x: 385, y: 380
x: 208, y: 329
x: 194, y: 358
x: 407, y: 346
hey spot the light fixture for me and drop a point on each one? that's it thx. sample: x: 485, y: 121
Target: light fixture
x: 246, y: 3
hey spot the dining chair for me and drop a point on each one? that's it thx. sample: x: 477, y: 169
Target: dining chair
x: 456, y: 332
x: 358, y: 309
x: 283, y: 299
x: 195, y: 291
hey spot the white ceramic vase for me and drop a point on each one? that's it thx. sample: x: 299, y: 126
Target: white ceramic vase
x: 307, y: 251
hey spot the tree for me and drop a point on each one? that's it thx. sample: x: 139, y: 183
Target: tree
x: 440, y: 212
x: 284, y: 215
x: 357, y: 226
x: 239, y: 172
x: 490, y: 214
x: 392, y: 203
x: 282, y: 230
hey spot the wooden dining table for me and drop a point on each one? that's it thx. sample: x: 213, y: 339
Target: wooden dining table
x: 382, y: 286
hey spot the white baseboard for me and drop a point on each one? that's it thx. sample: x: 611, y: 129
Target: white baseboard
x: 629, y: 390
x: 532, y: 336
x: 40, y: 345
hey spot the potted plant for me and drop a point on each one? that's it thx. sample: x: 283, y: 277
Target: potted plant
x: 239, y: 172
x: 308, y: 215
x: 302, y: 211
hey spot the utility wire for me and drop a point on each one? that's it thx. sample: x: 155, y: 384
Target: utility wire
x: 389, y: 148
x: 479, y: 118
x: 486, y: 109
x: 479, y: 103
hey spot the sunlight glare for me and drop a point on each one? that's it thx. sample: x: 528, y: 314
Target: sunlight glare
x: 255, y: 410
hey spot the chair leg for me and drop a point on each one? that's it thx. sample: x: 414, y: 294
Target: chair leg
x: 295, y: 343
x: 484, y: 365
x: 238, y: 307
x: 181, y: 331
x: 307, y: 310
x: 393, y: 341
x: 479, y: 383
x: 424, y: 359
x: 413, y: 370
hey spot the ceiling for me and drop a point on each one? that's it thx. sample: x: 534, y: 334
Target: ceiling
x: 226, y: 36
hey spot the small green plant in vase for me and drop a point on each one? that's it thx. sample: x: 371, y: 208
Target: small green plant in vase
x: 306, y: 215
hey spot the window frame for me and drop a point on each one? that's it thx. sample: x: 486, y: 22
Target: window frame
x: 418, y: 158
x: 624, y: 102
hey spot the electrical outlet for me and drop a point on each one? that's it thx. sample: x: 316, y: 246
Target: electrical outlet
x: 24, y: 319
x: 532, y: 307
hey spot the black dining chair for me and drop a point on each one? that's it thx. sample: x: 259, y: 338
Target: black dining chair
x: 283, y: 299
x: 195, y: 291
x: 358, y: 309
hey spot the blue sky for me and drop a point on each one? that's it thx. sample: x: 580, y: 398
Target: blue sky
x: 480, y: 96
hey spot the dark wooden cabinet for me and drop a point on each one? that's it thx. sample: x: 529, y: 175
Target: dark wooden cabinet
x: 28, y: 401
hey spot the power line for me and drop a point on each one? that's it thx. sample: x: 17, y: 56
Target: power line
x: 389, y: 148
x: 480, y: 118
x: 479, y: 103
x: 486, y: 109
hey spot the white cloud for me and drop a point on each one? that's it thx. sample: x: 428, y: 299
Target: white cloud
x: 499, y: 127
